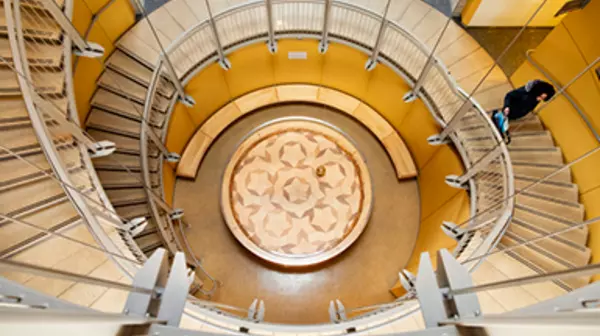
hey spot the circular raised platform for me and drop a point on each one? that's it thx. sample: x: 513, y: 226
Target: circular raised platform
x: 296, y: 192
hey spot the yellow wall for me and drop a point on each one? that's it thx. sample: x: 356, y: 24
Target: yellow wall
x: 511, y: 13
x: 113, y: 22
x: 567, y: 50
x: 341, y: 68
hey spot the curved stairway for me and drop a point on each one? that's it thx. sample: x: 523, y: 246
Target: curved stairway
x: 36, y: 205
x: 116, y: 116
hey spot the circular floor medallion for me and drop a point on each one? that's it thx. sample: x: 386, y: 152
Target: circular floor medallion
x: 296, y: 192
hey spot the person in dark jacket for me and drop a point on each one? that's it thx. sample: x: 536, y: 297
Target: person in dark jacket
x: 519, y: 102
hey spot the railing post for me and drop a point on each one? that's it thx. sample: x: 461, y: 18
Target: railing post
x: 271, y: 44
x: 84, y: 48
x: 223, y: 61
x: 324, y: 44
x: 442, y: 137
x: 483, y: 163
x: 169, y: 156
x: 372, y: 61
x: 184, y: 98
x: 431, y: 60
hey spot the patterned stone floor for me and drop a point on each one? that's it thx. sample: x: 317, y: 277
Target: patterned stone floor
x: 296, y: 192
x: 361, y: 275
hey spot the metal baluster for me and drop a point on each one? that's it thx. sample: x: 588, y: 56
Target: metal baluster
x: 223, y: 61
x: 271, y: 44
x: 372, y: 61
x: 324, y: 44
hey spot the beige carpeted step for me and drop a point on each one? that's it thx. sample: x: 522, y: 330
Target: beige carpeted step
x: 519, y: 155
x: 38, y: 54
x: 149, y: 242
x: 570, y: 211
x: 541, y: 262
x: 109, y: 101
x: 120, y: 161
x: 121, y: 197
x: 568, y: 192
x: 133, y: 211
x: 44, y: 82
x: 578, y: 255
x: 113, y: 123
x: 34, y: 26
x: 547, y: 223
x: 129, y: 67
x: 124, y: 86
x: 538, y: 171
x: 124, y: 144
x: 123, y: 179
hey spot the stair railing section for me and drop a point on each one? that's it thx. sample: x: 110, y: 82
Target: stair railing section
x: 399, y: 49
x: 36, y: 42
x: 566, y: 94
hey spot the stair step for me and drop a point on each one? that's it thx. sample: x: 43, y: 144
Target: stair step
x: 514, y: 269
x: 115, y: 82
x: 116, y: 161
x: 39, y: 26
x: 570, y: 211
x: 109, y: 101
x: 112, y: 179
x: 44, y: 82
x: 149, y: 243
x: 132, y: 211
x: 15, y: 235
x: 516, y: 127
x: 129, y: 67
x: 124, y: 144
x: 547, y: 223
x: 577, y: 255
x: 482, y: 137
x: 47, y: 55
x: 32, y: 195
x: 541, y: 155
x: 15, y: 170
x: 568, y: 192
x: 540, y: 262
x: 538, y: 171
x: 109, y: 122
x: 129, y: 196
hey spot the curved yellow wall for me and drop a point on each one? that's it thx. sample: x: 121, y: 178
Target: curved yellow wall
x: 341, y: 68
x: 109, y: 26
x: 577, y: 39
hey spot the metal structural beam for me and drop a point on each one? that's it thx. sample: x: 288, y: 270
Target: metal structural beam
x: 372, y: 61
x: 324, y: 43
x: 84, y: 48
x: 271, y: 43
x: 223, y: 61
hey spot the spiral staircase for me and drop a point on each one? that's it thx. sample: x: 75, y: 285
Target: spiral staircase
x: 60, y: 189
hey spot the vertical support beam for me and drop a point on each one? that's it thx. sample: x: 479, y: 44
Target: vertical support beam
x: 175, y: 294
x: 428, y: 293
x: 372, y: 61
x: 451, y: 274
x: 169, y: 156
x: 84, y: 48
x: 324, y: 44
x: 483, y: 163
x: 223, y: 61
x: 271, y: 44
x: 442, y: 137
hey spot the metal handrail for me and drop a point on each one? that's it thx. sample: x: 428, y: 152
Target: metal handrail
x: 555, y: 82
x: 508, y: 185
x: 23, y: 74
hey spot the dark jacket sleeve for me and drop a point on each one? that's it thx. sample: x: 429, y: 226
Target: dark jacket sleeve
x: 509, y: 99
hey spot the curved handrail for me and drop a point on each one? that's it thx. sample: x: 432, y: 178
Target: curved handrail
x: 555, y: 82
x: 48, y: 146
x: 443, y: 116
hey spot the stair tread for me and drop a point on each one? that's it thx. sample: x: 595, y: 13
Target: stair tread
x: 126, y: 196
x: 133, y: 211
x: 110, y: 122
x: 569, y: 211
x: 16, y: 171
x: 113, y: 179
x: 122, y: 63
x: 547, y: 224
x: 107, y: 100
x: 55, y: 217
x: 542, y: 262
x: 38, y: 55
x: 124, y: 144
x: 563, y: 191
x: 116, y: 161
x: 577, y: 255
x: 119, y: 84
x: 35, y: 26
x: 44, y: 82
